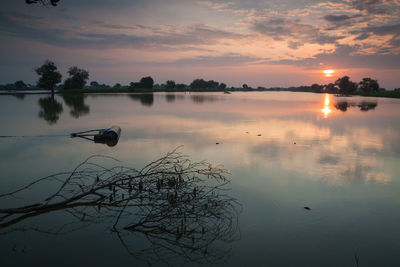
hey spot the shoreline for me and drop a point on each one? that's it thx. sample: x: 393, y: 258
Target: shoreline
x: 386, y: 94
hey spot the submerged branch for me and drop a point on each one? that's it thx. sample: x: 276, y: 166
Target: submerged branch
x: 179, y: 206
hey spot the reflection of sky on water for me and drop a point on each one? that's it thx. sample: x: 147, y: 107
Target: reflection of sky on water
x: 344, y: 164
x: 297, y: 133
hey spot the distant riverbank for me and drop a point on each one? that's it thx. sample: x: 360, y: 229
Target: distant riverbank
x: 387, y: 94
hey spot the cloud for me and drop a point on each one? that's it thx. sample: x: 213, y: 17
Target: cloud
x: 345, y: 57
x: 155, y: 37
x: 376, y: 7
x: 293, y: 30
x: 336, y: 18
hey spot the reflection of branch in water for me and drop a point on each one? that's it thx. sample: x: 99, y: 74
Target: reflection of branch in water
x: 179, y: 206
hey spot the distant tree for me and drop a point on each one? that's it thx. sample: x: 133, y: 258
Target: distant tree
x: 77, y: 79
x: 170, y: 84
x: 211, y: 84
x: 94, y: 84
x: 20, y: 85
x: 222, y: 86
x: 198, y: 84
x: 147, y: 82
x: 49, y: 76
x: 346, y: 87
x: 369, y: 85
x: 135, y: 85
x: 117, y: 85
x: 180, y: 86
x: 43, y: 2
x: 245, y: 86
x: 316, y: 88
x: 331, y: 88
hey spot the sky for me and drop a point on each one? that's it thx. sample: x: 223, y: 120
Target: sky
x: 276, y: 43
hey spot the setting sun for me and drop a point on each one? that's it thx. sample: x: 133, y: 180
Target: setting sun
x: 329, y: 73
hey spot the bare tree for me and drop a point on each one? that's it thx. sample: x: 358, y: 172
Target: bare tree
x: 179, y: 206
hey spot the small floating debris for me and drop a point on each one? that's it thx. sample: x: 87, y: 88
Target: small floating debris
x: 109, y: 136
x: 307, y: 208
x: 247, y: 132
x: 294, y: 143
x: 258, y: 134
x: 227, y: 92
x: 217, y: 143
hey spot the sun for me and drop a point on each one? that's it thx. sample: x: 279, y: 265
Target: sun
x: 328, y: 73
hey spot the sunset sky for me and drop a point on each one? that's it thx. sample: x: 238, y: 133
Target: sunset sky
x: 261, y: 43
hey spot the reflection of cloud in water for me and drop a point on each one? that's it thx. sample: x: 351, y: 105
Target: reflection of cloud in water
x: 319, y: 152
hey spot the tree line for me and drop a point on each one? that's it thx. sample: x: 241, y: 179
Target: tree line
x: 50, y: 79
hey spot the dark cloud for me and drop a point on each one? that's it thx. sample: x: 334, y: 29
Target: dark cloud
x: 336, y: 18
x: 329, y: 160
x: 383, y: 30
x: 229, y: 59
x: 281, y: 29
x: 371, y: 6
x: 73, y: 38
x: 362, y: 36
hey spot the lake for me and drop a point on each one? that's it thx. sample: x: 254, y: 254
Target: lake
x: 338, y: 156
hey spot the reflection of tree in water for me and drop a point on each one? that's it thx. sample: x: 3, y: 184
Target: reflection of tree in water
x: 200, y: 99
x: 76, y: 102
x: 50, y: 110
x: 364, y: 105
x: 19, y: 96
x: 145, y: 99
x: 170, y: 97
x: 180, y: 207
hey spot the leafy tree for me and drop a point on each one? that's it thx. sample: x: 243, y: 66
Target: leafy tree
x: 198, y: 84
x: 245, y: 86
x: 77, y: 79
x: 170, y: 84
x: 369, y: 85
x: 20, y: 85
x: 222, y: 86
x: 346, y: 87
x: 135, y: 85
x: 202, y: 84
x: 117, y: 85
x: 316, y: 88
x: 331, y: 88
x: 147, y: 82
x: 94, y: 84
x: 180, y: 86
x: 49, y: 76
x: 211, y: 84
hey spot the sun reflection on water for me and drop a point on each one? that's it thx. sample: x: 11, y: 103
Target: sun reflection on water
x: 326, y: 109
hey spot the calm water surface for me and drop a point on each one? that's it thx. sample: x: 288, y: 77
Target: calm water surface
x: 284, y: 151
